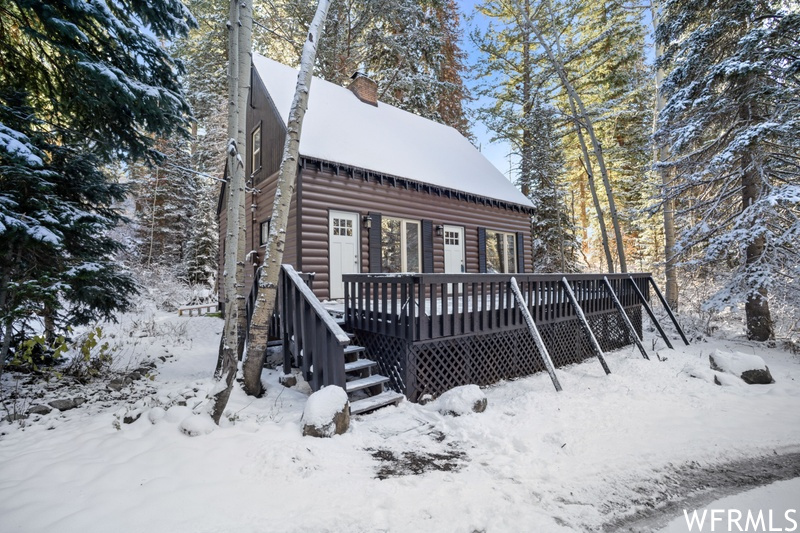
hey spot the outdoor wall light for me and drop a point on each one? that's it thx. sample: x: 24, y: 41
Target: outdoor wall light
x: 439, y: 230
x: 367, y: 221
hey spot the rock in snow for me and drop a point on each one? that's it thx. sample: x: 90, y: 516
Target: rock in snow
x: 750, y: 368
x: 461, y: 401
x: 327, y: 413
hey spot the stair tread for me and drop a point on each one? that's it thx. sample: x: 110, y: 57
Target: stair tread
x: 359, y: 364
x: 353, y: 348
x: 374, y: 402
x: 363, y: 383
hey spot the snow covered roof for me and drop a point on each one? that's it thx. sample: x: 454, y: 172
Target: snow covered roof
x: 339, y: 128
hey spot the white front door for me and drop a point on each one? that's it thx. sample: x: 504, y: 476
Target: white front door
x: 454, y: 250
x: 343, y: 249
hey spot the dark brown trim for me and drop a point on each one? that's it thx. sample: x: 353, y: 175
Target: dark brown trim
x: 427, y: 245
x: 482, y: 250
x: 375, y: 264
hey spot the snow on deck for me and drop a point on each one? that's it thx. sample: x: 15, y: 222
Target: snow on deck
x: 338, y: 127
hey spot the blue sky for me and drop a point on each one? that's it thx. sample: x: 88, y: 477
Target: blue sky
x: 496, y: 152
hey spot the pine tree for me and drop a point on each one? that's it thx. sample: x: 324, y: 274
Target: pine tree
x: 553, y: 234
x: 409, y: 47
x: 81, y: 85
x: 732, y: 123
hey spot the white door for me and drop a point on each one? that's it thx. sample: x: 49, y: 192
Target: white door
x: 343, y: 249
x: 454, y: 250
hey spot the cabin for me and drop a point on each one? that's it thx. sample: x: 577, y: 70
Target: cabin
x: 379, y: 189
x: 413, y: 237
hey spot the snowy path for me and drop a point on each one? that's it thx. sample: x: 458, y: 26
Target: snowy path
x: 536, y: 460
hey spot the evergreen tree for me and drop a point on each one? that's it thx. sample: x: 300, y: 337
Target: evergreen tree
x: 81, y: 84
x: 732, y: 123
x: 409, y: 47
x: 554, y: 243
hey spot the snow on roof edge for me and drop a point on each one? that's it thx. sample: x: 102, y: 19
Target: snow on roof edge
x: 385, y: 139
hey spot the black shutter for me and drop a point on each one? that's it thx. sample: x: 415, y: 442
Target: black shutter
x: 482, y: 250
x: 520, y: 252
x: 427, y: 246
x: 375, y: 243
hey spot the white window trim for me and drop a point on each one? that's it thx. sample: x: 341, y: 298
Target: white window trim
x: 504, y: 259
x: 404, y: 241
x: 255, y: 154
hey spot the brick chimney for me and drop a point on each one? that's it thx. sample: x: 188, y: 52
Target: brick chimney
x: 364, y: 88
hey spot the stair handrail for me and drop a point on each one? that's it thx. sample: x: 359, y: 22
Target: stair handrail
x: 314, y: 330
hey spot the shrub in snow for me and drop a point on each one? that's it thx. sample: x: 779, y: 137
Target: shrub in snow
x: 750, y: 368
x: 156, y: 414
x: 196, y: 425
x: 461, y: 401
x: 177, y: 413
x: 327, y: 413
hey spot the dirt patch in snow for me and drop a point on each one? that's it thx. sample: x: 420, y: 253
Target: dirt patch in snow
x: 693, y: 486
x: 415, y: 463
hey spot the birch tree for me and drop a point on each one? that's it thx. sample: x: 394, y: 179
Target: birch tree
x: 287, y: 178
x: 661, y: 154
x: 233, y: 274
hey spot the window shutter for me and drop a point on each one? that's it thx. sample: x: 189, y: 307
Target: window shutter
x: 482, y: 250
x: 520, y: 252
x: 375, y: 243
x: 427, y: 246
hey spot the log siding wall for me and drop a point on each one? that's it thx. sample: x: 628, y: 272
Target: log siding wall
x: 324, y: 191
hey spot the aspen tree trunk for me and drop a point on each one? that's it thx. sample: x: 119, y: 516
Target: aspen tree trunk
x: 661, y: 154
x: 587, y: 166
x: 287, y: 177
x: 527, y: 87
x: 576, y: 101
x: 244, y: 60
x: 228, y: 361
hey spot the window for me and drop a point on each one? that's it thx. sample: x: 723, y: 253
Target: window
x: 343, y: 227
x: 452, y: 238
x: 255, y: 148
x: 264, y: 232
x: 501, y: 252
x: 400, y: 248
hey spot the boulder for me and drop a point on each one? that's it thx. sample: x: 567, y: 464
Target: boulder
x: 327, y: 413
x: 39, y: 409
x: 461, y: 401
x: 63, y: 405
x: 749, y: 368
x: 288, y: 380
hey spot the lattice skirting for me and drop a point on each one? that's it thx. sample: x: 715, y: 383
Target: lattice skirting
x: 432, y: 367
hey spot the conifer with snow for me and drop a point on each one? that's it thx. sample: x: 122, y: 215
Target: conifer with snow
x: 732, y: 125
x: 82, y: 84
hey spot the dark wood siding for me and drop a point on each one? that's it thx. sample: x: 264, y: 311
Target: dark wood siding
x: 273, y: 132
x: 323, y: 191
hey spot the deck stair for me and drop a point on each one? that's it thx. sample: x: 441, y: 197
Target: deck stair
x: 314, y: 341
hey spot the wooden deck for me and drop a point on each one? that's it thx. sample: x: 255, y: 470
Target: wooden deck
x: 432, y: 332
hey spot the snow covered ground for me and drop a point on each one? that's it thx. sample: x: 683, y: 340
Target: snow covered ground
x: 535, y: 460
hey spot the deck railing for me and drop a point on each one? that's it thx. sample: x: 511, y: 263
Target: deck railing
x: 418, y: 307
x: 310, y: 333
